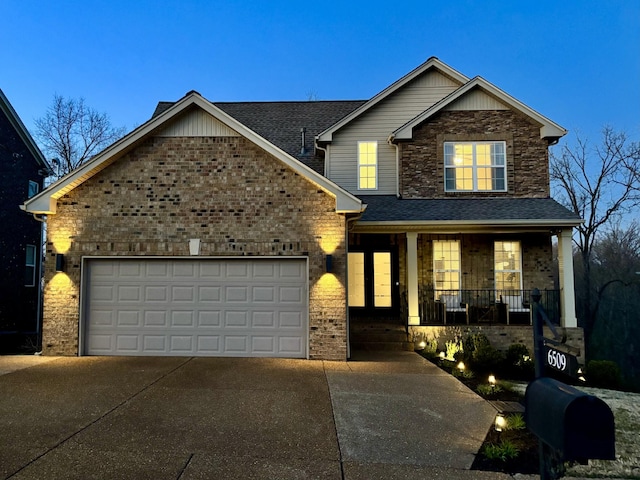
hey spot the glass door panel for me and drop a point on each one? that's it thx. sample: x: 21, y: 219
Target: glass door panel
x: 356, y: 279
x: 381, y: 279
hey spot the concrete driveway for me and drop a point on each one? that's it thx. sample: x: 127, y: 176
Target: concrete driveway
x: 386, y: 416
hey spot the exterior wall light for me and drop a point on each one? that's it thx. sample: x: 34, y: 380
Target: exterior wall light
x: 329, y: 263
x: 59, y: 262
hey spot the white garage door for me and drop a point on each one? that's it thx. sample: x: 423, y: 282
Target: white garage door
x: 205, y: 307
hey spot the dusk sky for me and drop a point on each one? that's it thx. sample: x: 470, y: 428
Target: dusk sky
x: 574, y: 61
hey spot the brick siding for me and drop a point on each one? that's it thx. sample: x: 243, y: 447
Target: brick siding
x: 227, y: 192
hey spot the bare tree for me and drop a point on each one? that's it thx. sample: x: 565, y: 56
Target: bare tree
x: 71, y: 132
x: 602, y: 185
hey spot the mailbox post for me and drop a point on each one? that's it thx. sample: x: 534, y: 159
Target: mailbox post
x: 569, y: 424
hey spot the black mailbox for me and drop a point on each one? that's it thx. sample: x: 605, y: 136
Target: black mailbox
x: 577, y: 425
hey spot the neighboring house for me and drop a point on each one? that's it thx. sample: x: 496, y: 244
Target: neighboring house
x: 22, y: 172
x: 266, y: 228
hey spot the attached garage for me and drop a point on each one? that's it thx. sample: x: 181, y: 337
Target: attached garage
x: 232, y: 306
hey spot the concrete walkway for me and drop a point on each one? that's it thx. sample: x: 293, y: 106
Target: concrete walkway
x: 390, y: 416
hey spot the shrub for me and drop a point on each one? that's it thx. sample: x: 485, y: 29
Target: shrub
x: 518, y: 362
x: 487, y: 390
x: 487, y: 359
x: 516, y: 422
x: 603, y: 374
x: 471, y: 344
x: 503, y: 451
x: 453, y: 350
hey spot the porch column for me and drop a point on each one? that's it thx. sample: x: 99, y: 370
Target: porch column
x: 567, y: 289
x: 412, y: 278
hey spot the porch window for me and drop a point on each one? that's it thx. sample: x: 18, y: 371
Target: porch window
x: 475, y: 167
x: 367, y: 165
x: 446, y: 272
x: 508, y: 272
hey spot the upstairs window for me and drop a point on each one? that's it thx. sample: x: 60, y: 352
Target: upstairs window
x: 30, y: 266
x: 475, y: 167
x: 367, y: 165
x: 34, y: 188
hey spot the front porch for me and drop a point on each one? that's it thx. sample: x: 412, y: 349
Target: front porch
x: 482, y: 306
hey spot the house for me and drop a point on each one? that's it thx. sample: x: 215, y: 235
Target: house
x: 274, y: 228
x: 23, y: 170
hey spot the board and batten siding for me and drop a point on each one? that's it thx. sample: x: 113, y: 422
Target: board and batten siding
x: 476, y: 100
x: 197, y: 123
x: 376, y: 124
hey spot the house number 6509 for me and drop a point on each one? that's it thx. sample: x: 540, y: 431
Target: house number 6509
x: 556, y: 359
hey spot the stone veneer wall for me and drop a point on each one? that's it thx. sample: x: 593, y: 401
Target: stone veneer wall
x: 226, y: 191
x: 422, y: 160
x: 500, y: 336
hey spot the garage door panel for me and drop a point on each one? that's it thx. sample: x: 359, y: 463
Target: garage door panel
x: 129, y: 293
x: 263, y: 319
x: 156, y: 318
x: 182, y: 318
x: 156, y: 293
x: 155, y: 344
x: 209, y: 344
x: 291, y: 294
x: 236, y: 293
x: 222, y: 307
x: 210, y: 294
x: 129, y: 318
x: 235, y: 344
x: 209, y: 318
x: 130, y: 269
x: 127, y: 343
x: 183, y: 293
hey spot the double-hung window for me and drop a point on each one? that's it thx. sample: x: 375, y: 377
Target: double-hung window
x: 475, y: 167
x: 446, y: 272
x: 508, y: 272
x: 367, y: 165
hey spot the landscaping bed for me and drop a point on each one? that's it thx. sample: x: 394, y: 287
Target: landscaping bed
x: 514, y: 449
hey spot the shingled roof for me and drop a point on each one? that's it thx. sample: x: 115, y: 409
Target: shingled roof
x: 499, y: 211
x: 281, y: 122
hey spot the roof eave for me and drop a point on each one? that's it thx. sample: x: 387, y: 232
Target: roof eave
x: 45, y: 201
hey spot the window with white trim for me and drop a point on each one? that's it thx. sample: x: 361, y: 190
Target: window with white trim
x: 475, y: 167
x: 446, y: 272
x: 508, y: 266
x: 367, y: 165
x: 30, y: 266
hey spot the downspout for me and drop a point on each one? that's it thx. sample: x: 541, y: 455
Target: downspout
x: 395, y: 145
x: 40, y: 290
x: 346, y: 275
x: 324, y: 173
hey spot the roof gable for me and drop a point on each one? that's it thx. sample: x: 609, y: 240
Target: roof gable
x: 548, y: 129
x: 171, y: 121
x: 433, y: 63
x: 27, y: 139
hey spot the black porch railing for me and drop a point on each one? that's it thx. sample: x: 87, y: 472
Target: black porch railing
x: 507, y: 307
